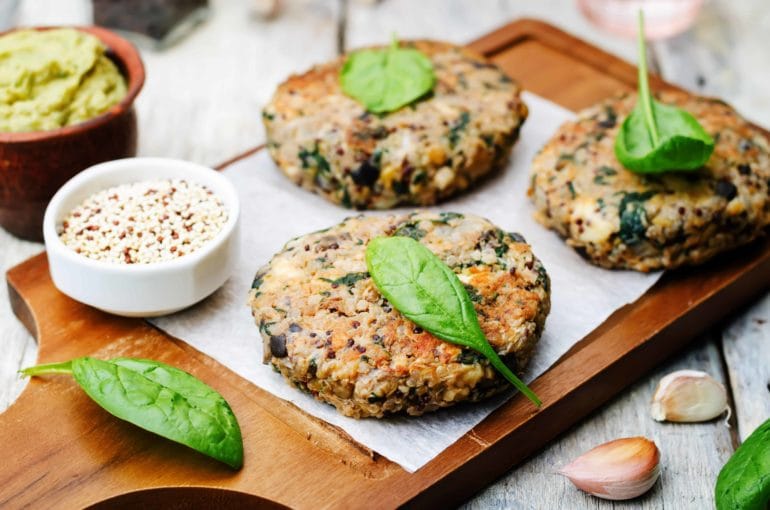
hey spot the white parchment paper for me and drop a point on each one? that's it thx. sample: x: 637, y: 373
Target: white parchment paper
x: 274, y: 210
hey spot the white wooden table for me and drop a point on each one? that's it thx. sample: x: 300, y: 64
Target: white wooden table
x: 202, y: 100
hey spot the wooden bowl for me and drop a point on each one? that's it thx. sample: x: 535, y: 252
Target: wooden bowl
x: 34, y: 165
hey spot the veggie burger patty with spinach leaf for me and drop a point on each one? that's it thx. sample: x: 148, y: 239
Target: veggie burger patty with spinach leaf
x: 330, y: 333
x: 620, y: 219
x: 420, y: 154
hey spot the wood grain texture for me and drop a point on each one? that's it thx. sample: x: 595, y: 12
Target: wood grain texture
x: 733, y: 65
x: 108, y: 457
x: 17, y: 348
x: 746, y: 344
x: 682, y: 477
x: 632, y: 341
x: 240, y: 57
x: 722, y: 56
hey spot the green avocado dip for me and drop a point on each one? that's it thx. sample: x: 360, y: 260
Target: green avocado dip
x: 54, y: 78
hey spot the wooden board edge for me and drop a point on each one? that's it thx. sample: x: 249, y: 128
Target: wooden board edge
x: 493, y: 460
x: 23, y: 310
x: 484, y: 466
x: 458, y: 482
x: 564, y: 42
x: 243, y: 155
x: 20, y: 307
x: 185, y: 498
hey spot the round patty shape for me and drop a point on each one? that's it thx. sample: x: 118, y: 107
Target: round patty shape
x: 328, y: 330
x: 421, y: 154
x: 619, y: 219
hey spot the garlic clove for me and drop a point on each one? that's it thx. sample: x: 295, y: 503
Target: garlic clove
x: 688, y: 396
x: 620, y: 469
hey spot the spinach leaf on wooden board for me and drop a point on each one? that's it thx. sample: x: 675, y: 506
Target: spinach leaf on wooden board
x: 159, y: 398
x: 655, y: 137
x: 744, y: 482
x: 427, y: 292
x: 384, y: 80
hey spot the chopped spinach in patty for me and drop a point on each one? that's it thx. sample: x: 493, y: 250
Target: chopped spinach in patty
x: 633, y: 217
x: 313, y: 159
x: 349, y: 279
x: 457, y: 128
x: 410, y: 229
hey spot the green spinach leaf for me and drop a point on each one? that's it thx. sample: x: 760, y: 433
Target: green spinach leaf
x: 384, y: 80
x: 656, y: 137
x: 159, y: 398
x: 427, y: 292
x: 744, y: 482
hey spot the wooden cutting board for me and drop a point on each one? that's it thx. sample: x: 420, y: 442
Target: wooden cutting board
x: 60, y: 449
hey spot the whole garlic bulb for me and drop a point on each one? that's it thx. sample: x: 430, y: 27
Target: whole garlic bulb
x: 688, y: 396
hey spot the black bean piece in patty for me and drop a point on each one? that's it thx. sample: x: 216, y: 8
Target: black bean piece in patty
x: 366, y: 174
x: 278, y: 346
x: 726, y: 189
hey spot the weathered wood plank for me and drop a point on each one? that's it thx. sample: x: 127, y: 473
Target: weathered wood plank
x: 17, y: 348
x: 746, y: 347
x: 691, y: 454
x: 203, y: 97
x: 205, y: 104
x: 724, y: 55
x: 685, y: 483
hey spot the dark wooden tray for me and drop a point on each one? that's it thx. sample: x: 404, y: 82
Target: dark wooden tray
x: 62, y: 450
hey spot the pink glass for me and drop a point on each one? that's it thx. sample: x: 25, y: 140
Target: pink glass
x: 662, y: 18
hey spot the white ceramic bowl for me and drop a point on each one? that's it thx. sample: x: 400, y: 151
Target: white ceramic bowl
x: 141, y: 290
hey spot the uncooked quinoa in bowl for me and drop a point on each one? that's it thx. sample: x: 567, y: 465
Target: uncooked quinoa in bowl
x: 144, y: 222
x: 142, y: 236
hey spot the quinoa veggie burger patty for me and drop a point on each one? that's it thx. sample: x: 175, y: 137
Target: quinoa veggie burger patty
x: 328, y: 330
x: 420, y: 154
x: 619, y: 219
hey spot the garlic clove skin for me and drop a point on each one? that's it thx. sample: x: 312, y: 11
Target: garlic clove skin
x: 688, y: 396
x: 620, y: 469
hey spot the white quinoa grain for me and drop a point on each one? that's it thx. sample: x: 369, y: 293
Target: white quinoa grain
x: 144, y: 222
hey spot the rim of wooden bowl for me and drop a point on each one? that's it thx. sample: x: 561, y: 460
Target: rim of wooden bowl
x: 129, y: 63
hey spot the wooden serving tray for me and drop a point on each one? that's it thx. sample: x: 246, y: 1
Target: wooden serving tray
x: 61, y: 450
